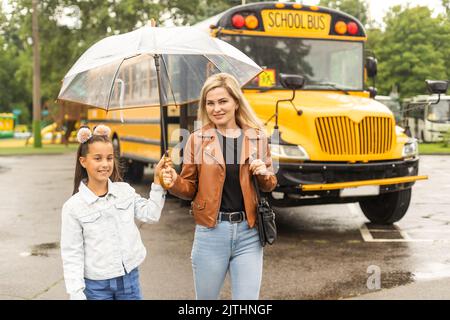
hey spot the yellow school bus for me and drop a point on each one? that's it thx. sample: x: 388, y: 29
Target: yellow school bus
x: 337, y: 144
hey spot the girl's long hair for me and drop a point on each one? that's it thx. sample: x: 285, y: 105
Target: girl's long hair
x: 83, y: 150
x: 244, y: 113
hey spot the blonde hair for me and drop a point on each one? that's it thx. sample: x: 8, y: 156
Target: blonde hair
x: 244, y: 114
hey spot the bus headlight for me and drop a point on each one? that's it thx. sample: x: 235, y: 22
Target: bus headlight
x: 411, y: 148
x: 287, y: 151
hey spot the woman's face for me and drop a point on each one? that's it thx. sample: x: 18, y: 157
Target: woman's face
x: 221, y: 108
x: 99, y: 162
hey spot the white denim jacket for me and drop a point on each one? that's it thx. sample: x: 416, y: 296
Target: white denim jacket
x: 99, y: 238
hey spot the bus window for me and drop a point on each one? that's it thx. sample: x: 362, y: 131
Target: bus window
x: 320, y: 61
x: 439, y: 112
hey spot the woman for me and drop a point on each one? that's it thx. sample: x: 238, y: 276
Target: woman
x: 219, y: 160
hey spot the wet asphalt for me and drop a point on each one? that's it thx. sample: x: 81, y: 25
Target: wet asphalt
x: 323, y: 252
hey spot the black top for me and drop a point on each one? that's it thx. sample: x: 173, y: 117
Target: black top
x: 232, y: 198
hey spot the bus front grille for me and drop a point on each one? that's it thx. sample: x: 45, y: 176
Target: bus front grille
x: 342, y: 136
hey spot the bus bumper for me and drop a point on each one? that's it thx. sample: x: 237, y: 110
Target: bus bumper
x: 321, y: 183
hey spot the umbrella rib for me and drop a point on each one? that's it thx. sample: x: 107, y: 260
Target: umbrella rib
x: 112, y: 85
x: 206, y: 56
x: 170, y: 84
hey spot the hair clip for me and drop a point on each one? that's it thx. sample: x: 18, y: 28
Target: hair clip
x: 84, y: 134
x: 102, y: 130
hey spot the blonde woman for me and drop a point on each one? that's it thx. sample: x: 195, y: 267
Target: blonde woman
x: 219, y: 161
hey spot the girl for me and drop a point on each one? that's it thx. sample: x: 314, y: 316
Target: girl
x: 218, y: 165
x: 101, y: 247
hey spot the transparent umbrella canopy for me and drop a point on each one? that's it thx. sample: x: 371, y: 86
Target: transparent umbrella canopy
x: 152, y: 66
x: 119, y: 72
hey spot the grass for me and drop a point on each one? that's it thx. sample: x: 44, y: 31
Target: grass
x: 433, y: 148
x: 9, y: 150
x: 30, y: 150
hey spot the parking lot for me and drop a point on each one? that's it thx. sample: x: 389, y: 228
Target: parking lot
x: 323, y: 252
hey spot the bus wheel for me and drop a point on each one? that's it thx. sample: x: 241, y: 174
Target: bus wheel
x: 134, y: 172
x: 116, y: 146
x: 387, y: 208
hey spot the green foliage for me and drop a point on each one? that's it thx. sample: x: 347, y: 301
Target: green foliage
x: 356, y: 8
x: 414, y: 47
x: 446, y: 5
x: 446, y: 140
x: 189, y: 12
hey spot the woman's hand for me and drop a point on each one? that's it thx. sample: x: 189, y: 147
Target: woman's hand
x: 258, y: 167
x: 164, y: 174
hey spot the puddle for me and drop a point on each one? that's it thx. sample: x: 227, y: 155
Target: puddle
x: 4, y: 169
x: 42, y: 250
x: 433, y: 271
x: 358, y: 285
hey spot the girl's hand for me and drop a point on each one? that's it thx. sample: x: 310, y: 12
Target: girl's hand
x: 164, y: 174
x: 157, y: 170
x: 258, y: 167
x: 169, y: 176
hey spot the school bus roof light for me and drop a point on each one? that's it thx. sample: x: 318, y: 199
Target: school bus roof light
x: 251, y: 22
x: 340, y: 27
x: 352, y: 28
x: 238, y: 21
x: 279, y: 5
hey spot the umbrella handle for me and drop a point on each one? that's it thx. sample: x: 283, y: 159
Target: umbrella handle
x: 167, y: 163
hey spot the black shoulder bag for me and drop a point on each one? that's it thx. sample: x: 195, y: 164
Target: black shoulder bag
x: 266, y: 218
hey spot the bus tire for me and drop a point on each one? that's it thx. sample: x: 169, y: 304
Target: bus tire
x: 386, y: 208
x: 134, y: 172
x: 116, y: 146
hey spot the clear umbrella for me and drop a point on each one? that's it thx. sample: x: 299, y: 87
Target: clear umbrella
x: 152, y: 66
x: 120, y: 72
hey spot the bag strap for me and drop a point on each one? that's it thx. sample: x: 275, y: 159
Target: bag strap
x: 260, y: 196
x: 255, y: 182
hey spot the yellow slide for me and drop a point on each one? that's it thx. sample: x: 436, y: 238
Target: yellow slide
x: 49, y: 134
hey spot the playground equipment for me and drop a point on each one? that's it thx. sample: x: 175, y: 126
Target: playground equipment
x: 7, y: 121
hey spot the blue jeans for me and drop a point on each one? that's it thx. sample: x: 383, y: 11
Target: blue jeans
x: 228, y: 246
x: 125, y: 287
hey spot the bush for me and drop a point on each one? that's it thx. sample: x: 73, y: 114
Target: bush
x: 446, y: 140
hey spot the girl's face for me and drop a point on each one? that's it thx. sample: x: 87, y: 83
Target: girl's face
x: 221, y: 108
x: 99, y: 162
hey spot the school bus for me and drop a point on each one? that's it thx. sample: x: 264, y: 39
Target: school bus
x: 427, y: 117
x: 337, y: 145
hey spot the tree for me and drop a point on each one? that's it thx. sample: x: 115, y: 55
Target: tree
x: 192, y: 11
x: 414, y: 47
x: 356, y: 8
x: 61, y: 42
x: 446, y: 5
x: 36, y: 76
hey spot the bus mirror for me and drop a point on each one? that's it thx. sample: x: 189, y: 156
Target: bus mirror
x: 292, y: 81
x: 436, y: 86
x: 371, y: 67
x: 372, y: 91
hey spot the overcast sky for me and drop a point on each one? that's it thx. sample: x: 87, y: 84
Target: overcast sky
x: 377, y: 8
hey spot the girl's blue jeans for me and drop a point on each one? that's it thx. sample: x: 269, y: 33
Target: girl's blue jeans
x: 125, y: 287
x: 228, y: 246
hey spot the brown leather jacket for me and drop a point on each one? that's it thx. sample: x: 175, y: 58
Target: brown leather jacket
x: 203, y: 173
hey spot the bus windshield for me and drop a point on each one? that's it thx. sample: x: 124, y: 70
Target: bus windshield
x: 325, y: 64
x: 439, y: 112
